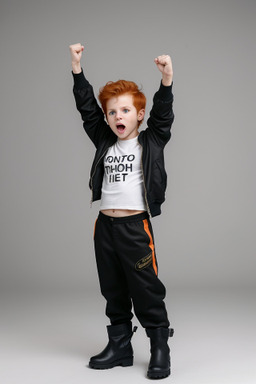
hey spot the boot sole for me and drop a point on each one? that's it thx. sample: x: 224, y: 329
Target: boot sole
x: 123, y: 362
x: 158, y: 375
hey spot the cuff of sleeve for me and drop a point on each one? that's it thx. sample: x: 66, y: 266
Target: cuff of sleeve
x: 165, y: 92
x: 79, y: 80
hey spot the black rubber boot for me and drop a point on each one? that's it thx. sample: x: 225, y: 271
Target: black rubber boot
x: 118, y: 350
x: 160, y: 363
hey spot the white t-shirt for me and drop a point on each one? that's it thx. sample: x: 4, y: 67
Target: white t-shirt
x: 122, y: 186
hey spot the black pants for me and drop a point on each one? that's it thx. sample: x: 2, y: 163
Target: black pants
x: 127, y: 268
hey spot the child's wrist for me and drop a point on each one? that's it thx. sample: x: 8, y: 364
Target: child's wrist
x: 76, y: 68
x: 167, y: 81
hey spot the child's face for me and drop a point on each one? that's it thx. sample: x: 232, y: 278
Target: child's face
x: 122, y: 116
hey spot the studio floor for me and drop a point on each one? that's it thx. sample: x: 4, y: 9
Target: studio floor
x: 48, y: 338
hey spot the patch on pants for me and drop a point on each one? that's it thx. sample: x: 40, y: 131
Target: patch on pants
x: 144, y: 262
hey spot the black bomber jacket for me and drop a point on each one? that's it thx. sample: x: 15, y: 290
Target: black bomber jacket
x: 153, y: 140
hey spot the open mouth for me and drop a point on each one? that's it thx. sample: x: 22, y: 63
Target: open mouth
x: 120, y: 128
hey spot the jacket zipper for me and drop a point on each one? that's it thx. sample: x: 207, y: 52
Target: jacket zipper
x: 91, y: 183
x: 143, y: 177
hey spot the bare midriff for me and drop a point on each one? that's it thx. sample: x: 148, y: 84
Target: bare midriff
x: 120, y: 212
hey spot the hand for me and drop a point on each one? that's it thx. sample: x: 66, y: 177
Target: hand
x: 76, y: 54
x: 164, y: 64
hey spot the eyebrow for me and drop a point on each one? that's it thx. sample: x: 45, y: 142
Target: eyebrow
x: 113, y: 109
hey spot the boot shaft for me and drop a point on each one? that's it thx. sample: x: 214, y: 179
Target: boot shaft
x: 159, y: 337
x: 120, y: 335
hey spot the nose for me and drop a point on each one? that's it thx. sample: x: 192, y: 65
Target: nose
x: 118, y: 115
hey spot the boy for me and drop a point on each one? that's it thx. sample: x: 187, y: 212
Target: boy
x: 129, y: 177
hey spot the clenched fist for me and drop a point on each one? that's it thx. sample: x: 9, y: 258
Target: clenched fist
x: 164, y: 64
x: 76, y: 54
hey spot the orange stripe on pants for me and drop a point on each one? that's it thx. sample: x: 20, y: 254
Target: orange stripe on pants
x: 151, y: 244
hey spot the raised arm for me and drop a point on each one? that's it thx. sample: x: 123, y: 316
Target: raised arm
x: 86, y: 103
x: 161, y: 115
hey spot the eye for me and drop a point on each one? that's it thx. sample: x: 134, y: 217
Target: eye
x: 111, y: 113
x: 126, y: 110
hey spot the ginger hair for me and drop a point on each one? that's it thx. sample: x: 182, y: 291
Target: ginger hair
x: 121, y: 87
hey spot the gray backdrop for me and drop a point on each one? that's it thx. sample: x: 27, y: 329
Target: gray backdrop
x: 206, y: 234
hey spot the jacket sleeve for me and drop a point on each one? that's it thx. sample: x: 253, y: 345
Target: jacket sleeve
x: 92, y: 115
x: 161, y: 116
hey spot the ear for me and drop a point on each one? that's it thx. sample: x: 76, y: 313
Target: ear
x: 141, y: 114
